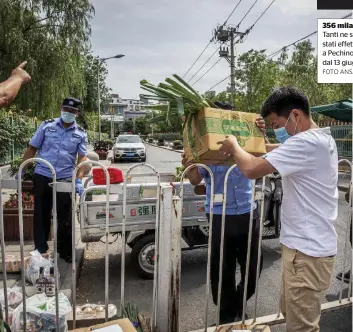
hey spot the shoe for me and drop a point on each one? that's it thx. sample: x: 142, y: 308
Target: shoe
x: 346, y: 276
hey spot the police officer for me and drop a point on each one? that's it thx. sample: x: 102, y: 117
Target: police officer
x: 58, y: 141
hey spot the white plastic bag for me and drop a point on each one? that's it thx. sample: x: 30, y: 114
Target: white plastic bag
x: 14, y: 295
x: 35, y: 264
x: 41, y: 314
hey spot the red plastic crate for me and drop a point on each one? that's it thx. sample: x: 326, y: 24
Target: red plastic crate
x: 116, y: 175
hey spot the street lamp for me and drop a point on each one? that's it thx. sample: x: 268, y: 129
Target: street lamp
x: 118, y: 56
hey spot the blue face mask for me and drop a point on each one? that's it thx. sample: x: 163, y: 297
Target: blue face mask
x: 282, y: 133
x: 68, y: 117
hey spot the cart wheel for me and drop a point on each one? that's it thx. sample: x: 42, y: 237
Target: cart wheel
x: 142, y: 256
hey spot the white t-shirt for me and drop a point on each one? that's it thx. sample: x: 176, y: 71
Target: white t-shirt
x: 308, y: 164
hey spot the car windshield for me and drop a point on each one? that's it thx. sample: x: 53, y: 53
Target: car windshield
x: 128, y: 139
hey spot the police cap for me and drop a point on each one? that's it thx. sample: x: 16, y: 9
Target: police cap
x: 71, y: 102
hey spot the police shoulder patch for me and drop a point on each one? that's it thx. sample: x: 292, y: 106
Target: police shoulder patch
x: 80, y: 128
x: 49, y: 120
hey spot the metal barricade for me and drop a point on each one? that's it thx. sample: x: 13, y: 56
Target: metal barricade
x: 73, y: 193
x: 258, y: 195
x: 17, y: 184
x: 212, y: 199
x: 123, y: 236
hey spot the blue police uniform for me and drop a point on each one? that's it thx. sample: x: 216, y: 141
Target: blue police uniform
x: 238, y: 207
x: 238, y: 190
x: 59, y: 146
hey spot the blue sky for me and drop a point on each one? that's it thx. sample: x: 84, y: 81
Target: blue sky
x: 162, y: 37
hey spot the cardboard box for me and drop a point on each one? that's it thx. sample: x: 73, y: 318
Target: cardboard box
x: 211, y: 125
x: 124, y: 324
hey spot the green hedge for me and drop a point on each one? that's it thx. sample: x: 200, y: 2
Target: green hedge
x: 93, y: 136
x: 167, y: 136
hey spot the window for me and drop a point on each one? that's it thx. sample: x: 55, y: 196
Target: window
x: 128, y: 139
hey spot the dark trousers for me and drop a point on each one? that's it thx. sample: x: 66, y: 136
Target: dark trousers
x: 235, y: 250
x: 43, y: 204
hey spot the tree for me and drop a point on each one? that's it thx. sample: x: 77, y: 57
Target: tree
x: 128, y: 126
x: 258, y: 75
x: 92, y: 65
x: 52, y: 36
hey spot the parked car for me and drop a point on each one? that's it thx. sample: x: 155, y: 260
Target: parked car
x: 129, y: 147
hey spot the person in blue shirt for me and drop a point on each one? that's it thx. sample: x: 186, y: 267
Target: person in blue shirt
x: 238, y: 206
x: 59, y: 141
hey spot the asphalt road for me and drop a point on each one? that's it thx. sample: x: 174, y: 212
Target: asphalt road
x: 193, y: 275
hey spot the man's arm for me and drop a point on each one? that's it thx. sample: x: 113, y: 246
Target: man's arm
x: 271, y: 147
x: 29, y: 153
x: 81, y: 171
x: 9, y: 89
x: 193, y: 174
x: 252, y: 167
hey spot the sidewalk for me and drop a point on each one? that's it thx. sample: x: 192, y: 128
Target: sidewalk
x: 65, y: 269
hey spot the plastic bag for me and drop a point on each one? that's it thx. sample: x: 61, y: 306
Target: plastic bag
x: 35, y: 265
x: 14, y: 295
x: 41, y: 314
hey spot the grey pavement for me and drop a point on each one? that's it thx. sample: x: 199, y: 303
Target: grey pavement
x: 193, y: 272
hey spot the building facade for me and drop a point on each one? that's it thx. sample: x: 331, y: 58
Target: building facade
x: 120, y: 110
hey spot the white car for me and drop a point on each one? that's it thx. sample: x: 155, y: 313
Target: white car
x: 129, y: 147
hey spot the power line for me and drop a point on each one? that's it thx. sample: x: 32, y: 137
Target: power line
x: 220, y: 28
x: 263, y: 13
x: 240, y: 40
x: 230, y: 15
x: 218, y: 83
x: 246, y: 14
x: 225, y: 22
x: 192, y: 66
x: 212, y: 55
x: 297, y: 41
x: 289, y: 45
x: 207, y: 71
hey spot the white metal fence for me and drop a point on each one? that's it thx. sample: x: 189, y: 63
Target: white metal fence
x: 167, y: 271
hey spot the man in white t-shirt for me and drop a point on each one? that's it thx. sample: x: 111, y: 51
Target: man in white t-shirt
x: 308, y: 163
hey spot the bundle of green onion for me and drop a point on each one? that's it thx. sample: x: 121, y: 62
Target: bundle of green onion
x: 181, y: 97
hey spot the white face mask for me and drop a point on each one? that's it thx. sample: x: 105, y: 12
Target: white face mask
x: 68, y: 117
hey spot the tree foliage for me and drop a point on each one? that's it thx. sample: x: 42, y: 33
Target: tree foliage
x: 257, y: 75
x: 53, y: 36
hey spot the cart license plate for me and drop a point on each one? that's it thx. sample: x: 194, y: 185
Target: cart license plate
x: 146, y: 210
x: 130, y: 154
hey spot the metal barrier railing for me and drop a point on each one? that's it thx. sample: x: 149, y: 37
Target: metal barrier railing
x: 73, y: 192
x: 168, y: 216
x: 123, y: 237
x: 259, y: 197
x: 349, y: 221
x: 223, y: 198
x: 17, y: 184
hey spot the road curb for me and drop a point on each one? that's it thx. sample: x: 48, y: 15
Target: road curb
x: 164, y: 147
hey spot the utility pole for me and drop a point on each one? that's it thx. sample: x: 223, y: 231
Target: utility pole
x: 232, y: 69
x: 224, y: 35
x: 101, y: 60
x: 99, y: 103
